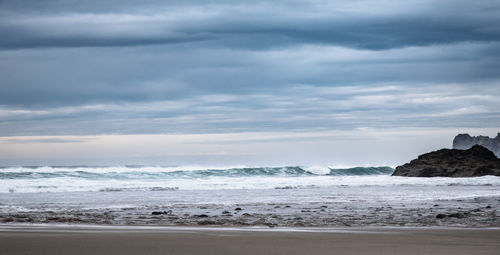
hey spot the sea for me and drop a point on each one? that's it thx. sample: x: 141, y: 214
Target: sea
x: 309, y: 195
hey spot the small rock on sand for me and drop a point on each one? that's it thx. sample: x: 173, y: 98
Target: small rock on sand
x: 440, y: 216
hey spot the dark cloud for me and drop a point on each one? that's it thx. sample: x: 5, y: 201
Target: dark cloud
x: 127, y: 67
x: 241, y: 25
x: 60, y: 77
x: 44, y: 140
x: 299, y: 108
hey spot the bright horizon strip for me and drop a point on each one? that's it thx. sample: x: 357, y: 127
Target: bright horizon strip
x: 361, y: 147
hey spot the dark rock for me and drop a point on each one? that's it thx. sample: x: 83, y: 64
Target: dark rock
x: 201, y: 216
x: 440, y: 216
x: 465, y: 141
x: 8, y: 220
x: 456, y: 215
x: 488, y: 207
x: 476, y: 161
x: 161, y: 212
x: 225, y: 212
x: 238, y: 209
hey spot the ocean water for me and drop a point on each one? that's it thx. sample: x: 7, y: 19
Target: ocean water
x: 132, y: 192
x: 37, y: 179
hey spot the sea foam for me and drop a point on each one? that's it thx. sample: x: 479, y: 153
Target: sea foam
x: 171, y: 178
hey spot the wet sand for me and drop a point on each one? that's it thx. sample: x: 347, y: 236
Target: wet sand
x: 174, y: 240
x: 478, y: 212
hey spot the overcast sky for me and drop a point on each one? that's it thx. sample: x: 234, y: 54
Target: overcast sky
x: 244, y: 82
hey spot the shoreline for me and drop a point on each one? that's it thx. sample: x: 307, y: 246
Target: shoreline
x: 76, y: 239
x: 407, y: 206
x: 258, y: 228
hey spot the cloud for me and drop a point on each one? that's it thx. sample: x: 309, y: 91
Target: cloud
x: 51, y: 140
x: 296, y: 108
x: 363, y: 24
x: 306, y: 148
x: 59, y: 77
x: 150, y: 67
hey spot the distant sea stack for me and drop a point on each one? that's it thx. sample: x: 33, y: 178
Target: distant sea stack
x: 465, y: 141
x: 476, y: 161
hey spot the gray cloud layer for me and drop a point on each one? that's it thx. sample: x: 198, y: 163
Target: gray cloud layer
x: 95, y: 67
x: 361, y: 24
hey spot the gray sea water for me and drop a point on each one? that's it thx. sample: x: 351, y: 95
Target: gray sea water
x: 311, y: 196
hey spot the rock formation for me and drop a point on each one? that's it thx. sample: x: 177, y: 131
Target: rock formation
x: 476, y: 161
x: 465, y: 141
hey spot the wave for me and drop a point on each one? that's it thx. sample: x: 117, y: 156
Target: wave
x: 145, y: 172
x: 131, y: 180
x: 384, y: 170
x: 138, y: 189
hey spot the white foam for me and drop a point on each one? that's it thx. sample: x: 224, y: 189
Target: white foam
x: 320, y: 170
x: 70, y: 184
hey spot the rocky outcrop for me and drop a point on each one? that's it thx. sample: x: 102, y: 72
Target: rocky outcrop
x: 476, y: 161
x: 465, y: 141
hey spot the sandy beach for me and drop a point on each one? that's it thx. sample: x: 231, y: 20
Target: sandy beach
x: 45, y: 239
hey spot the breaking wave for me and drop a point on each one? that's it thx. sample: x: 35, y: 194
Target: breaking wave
x: 139, y: 172
x: 362, y: 171
x: 133, y: 179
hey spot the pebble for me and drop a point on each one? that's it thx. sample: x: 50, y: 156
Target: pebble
x: 161, y: 212
x: 440, y: 216
x: 201, y: 216
x: 456, y: 215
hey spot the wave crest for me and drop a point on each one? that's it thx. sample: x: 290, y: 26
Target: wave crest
x: 178, y: 172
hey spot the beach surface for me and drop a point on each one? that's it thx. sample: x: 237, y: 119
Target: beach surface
x: 68, y: 239
x: 244, y: 197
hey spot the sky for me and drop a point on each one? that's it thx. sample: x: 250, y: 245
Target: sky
x: 337, y: 83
